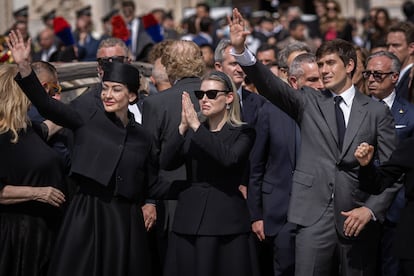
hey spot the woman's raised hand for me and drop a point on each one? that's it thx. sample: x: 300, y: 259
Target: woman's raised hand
x: 20, y: 50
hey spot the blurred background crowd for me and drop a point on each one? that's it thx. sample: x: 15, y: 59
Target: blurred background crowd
x: 141, y: 25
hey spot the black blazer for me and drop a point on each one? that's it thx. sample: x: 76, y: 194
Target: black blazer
x: 104, y: 150
x: 252, y: 103
x: 272, y: 162
x: 375, y: 179
x: 161, y: 116
x: 211, y: 204
x: 402, y: 88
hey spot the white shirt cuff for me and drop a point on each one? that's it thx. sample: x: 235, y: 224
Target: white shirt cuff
x: 373, y: 217
x: 244, y: 59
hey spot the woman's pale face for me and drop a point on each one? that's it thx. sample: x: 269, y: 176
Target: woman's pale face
x: 116, y: 97
x: 217, y: 106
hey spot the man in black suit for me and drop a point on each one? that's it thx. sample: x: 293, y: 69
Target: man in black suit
x: 162, y: 115
x: 399, y: 39
x: 338, y: 225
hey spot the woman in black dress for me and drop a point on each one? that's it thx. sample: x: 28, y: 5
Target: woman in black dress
x: 211, y: 223
x: 31, y: 183
x: 375, y: 179
x: 103, y: 232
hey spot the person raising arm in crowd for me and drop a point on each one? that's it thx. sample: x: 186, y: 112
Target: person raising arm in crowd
x: 325, y: 202
x: 104, y: 225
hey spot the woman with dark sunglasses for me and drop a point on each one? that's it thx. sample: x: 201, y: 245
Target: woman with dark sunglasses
x: 211, y: 223
x: 103, y: 232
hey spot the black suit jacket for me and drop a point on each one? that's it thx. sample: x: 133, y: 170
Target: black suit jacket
x: 104, y: 152
x: 161, y: 116
x: 211, y: 203
x: 251, y: 104
x: 272, y: 162
x: 375, y: 180
x: 403, y: 113
x: 402, y: 87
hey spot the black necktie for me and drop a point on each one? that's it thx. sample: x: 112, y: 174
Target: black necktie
x: 340, y: 121
x: 384, y: 103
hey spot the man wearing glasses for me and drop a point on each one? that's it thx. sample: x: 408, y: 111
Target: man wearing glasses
x: 47, y: 75
x: 381, y: 76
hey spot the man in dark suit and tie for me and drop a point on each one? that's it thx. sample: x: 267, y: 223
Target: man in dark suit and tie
x: 162, y: 115
x: 399, y: 39
x: 381, y: 75
x: 338, y: 224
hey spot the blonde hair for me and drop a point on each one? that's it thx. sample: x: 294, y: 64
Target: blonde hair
x: 233, y: 114
x: 13, y: 103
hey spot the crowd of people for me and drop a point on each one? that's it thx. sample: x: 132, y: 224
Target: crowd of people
x: 258, y: 146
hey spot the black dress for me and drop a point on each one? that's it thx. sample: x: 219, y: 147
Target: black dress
x: 210, y: 233
x: 103, y: 232
x: 28, y: 230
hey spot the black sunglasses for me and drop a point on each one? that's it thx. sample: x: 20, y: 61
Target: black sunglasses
x: 211, y: 94
x: 105, y: 60
x: 378, y: 76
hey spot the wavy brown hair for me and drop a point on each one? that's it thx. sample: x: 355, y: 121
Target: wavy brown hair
x: 13, y: 103
x: 183, y: 59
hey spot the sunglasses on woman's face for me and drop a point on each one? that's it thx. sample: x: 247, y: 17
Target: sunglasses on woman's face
x: 211, y: 94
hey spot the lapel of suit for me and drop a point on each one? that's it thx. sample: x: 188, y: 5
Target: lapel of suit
x: 398, y: 110
x: 402, y: 81
x: 358, y: 113
x: 327, y: 107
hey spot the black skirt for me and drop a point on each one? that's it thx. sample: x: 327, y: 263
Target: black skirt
x: 211, y: 255
x: 101, y: 236
x: 26, y: 242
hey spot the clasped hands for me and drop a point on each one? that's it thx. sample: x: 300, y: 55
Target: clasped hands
x: 189, y: 118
